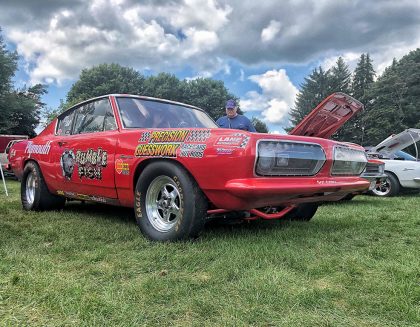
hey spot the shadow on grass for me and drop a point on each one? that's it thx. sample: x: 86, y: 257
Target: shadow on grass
x: 101, y: 211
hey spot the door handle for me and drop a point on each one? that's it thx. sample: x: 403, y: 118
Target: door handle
x: 61, y: 143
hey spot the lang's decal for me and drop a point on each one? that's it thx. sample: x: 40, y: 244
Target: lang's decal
x: 67, y: 161
x: 32, y: 148
x: 122, y: 167
x: 91, y: 162
x: 237, y: 140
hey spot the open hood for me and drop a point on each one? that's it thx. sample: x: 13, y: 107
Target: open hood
x: 398, y: 142
x: 328, y: 116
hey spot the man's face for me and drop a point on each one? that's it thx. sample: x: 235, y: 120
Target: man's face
x: 231, y: 112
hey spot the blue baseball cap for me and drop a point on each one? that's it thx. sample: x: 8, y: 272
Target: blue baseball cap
x: 230, y: 104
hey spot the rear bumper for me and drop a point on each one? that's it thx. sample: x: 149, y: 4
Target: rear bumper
x: 249, y: 193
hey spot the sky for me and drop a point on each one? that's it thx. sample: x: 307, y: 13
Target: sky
x: 262, y: 50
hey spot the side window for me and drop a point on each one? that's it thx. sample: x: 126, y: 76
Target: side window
x: 64, y: 124
x: 93, y: 117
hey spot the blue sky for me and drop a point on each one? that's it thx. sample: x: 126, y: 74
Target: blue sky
x: 261, y: 50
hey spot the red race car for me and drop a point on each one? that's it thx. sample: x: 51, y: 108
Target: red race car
x: 174, y: 166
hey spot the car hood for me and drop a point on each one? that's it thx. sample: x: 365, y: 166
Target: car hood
x: 328, y: 116
x: 398, y: 142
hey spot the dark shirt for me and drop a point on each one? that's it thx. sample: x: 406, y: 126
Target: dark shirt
x: 237, y: 122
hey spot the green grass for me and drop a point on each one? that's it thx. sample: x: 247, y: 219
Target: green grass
x: 354, y: 264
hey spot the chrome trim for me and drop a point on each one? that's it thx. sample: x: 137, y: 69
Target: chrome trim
x: 285, y: 141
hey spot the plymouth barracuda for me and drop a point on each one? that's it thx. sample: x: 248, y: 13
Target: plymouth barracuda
x: 173, y: 165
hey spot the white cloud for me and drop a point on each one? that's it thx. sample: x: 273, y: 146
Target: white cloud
x: 271, y: 31
x: 277, y: 96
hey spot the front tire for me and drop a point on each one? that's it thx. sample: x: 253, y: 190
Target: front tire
x: 169, y: 205
x: 390, y: 187
x: 34, y: 193
x: 303, y: 212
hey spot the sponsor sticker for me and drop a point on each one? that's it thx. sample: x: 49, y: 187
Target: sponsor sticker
x: 32, y: 148
x: 122, y: 167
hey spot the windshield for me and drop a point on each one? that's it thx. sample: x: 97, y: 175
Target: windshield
x: 142, y: 113
x: 403, y: 156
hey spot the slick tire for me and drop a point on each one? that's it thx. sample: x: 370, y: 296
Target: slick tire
x: 303, y: 212
x: 169, y: 205
x: 34, y: 193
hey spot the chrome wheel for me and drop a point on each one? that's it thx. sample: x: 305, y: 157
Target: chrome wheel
x: 383, y: 188
x: 163, y: 203
x: 30, y: 188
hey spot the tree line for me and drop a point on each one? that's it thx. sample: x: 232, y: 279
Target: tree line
x: 391, y: 101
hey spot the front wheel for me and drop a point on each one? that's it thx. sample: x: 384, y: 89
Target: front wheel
x: 169, y: 205
x: 34, y: 193
x: 389, y: 187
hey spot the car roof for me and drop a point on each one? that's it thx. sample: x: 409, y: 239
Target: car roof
x: 142, y: 97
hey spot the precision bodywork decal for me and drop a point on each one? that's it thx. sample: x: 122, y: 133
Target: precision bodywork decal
x: 170, y: 144
x: 157, y: 150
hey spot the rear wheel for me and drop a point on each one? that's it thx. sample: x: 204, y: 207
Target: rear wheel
x: 34, y: 192
x: 169, y: 205
x: 389, y: 187
x: 303, y: 212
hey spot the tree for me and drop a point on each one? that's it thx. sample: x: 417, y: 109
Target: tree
x: 259, y: 125
x: 315, y: 88
x: 105, y: 79
x: 208, y: 94
x: 363, y: 78
x: 20, y: 109
x: 340, y: 79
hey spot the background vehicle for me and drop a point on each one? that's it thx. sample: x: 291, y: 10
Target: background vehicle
x: 402, y: 169
x: 4, y: 161
x: 177, y: 168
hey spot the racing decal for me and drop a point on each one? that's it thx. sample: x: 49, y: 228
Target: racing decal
x: 192, y: 150
x: 85, y: 197
x: 198, y: 136
x: 91, y: 162
x: 224, y: 151
x: 67, y: 163
x: 237, y: 140
x: 122, y: 167
x: 176, y: 136
x: 157, y: 150
x: 32, y: 148
x: 170, y: 144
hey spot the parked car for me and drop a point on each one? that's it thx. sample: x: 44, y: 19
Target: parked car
x: 4, y: 161
x: 402, y: 169
x: 174, y: 166
x: 326, y: 119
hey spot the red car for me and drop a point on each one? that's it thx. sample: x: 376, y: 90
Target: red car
x: 174, y: 166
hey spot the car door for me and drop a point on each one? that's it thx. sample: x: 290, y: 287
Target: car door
x: 84, y: 154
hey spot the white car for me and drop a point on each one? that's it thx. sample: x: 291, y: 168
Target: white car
x: 401, y: 168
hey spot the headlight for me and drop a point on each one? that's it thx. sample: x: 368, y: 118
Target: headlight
x: 285, y: 158
x: 348, y: 161
x: 381, y: 168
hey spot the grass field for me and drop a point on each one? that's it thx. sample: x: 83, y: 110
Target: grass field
x: 354, y: 264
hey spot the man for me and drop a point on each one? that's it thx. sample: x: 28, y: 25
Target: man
x: 233, y: 119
